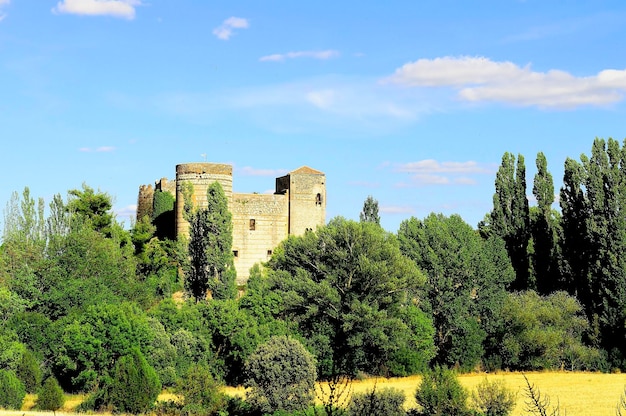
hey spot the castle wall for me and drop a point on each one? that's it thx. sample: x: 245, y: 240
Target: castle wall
x: 260, y: 223
x: 307, y: 201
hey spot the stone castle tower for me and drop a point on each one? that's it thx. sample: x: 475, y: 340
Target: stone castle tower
x: 260, y: 221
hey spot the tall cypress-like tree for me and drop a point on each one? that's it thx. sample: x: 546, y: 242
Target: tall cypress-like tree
x: 544, y: 226
x: 370, y: 211
x: 510, y: 218
x: 593, y: 201
x: 210, y: 266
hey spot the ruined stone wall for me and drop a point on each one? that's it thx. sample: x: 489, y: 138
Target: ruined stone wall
x: 260, y: 223
x: 144, y: 201
x: 200, y: 175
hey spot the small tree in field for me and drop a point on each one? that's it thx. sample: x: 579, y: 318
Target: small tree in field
x: 492, y: 398
x: 50, y: 396
x: 135, y: 386
x: 383, y: 402
x: 441, y: 394
x: 281, y: 376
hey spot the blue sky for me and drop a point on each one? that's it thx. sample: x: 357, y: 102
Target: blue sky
x: 412, y: 102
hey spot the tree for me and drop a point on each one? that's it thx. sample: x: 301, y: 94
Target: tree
x: 50, y: 396
x: 12, y: 391
x: 593, y: 201
x: 493, y: 398
x: 201, y: 392
x: 370, y: 211
x: 465, y: 287
x: 135, y: 385
x: 440, y: 394
x: 281, y: 376
x: 93, y: 208
x: 29, y: 371
x: 544, y: 227
x: 510, y: 217
x: 210, y: 266
x: 345, y: 287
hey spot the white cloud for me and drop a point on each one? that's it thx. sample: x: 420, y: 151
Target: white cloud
x: 479, y: 79
x: 124, y: 9
x: 250, y: 171
x: 129, y: 211
x: 280, y: 57
x: 322, y: 98
x: 429, y: 166
x: 225, y: 30
x: 3, y: 3
x: 396, y: 209
x: 101, y: 149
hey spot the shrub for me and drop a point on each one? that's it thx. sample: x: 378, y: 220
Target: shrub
x: 50, y: 396
x: 384, y: 402
x: 29, y: 371
x: 201, y: 392
x: 441, y: 394
x: 135, y: 385
x: 493, y: 398
x: 281, y: 376
x: 12, y: 391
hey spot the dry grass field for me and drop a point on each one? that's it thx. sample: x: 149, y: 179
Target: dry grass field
x: 579, y: 394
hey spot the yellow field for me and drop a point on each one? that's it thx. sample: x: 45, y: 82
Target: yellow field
x: 579, y: 394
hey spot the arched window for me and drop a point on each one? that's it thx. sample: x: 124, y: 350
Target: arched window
x: 318, y: 199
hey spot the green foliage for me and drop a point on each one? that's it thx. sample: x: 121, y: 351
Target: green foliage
x: 135, y: 385
x: 441, y: 394
x: 281, y: 376
x: 91, y: 208
x: 510, y: 217
x: 12, y: 391
x: 29, y: 371
x: 545, y: 333
x: 466, y: 283
x: 346, y: 287
x: 210, y: 265
x: 493, y: 398
x: 382, y: 402
x: 50, y: 395
x: 201, y: 392
x: 370, y: 211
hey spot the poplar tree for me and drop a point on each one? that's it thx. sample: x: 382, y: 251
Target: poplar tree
x: 370, y: 211
x: 593, y: 201
x: 544, y: 228
x: 510, y: 218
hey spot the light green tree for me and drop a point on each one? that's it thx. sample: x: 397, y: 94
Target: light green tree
x: 50, y: 396
x: 370, y: 211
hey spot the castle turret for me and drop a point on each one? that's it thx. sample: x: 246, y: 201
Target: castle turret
x: 307, y: 198
x: 200, y: 175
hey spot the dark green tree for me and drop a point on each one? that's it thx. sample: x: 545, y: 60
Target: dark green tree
x: 201, y: 392
x: 210, y: 267
x: 545, y: 230
x: 50, y: 396
x: 346, y: 288
x: 281, y: 376
x: 510, y: 217
x: 594, y: 239
x: 135, y: 385
x: 29, y: 371
x: 163, y: 214
x: 466, y: 283
x: 370, y: 211
x: 378, y: 402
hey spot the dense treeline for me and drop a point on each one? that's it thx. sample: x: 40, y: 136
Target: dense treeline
x: 91, y: 307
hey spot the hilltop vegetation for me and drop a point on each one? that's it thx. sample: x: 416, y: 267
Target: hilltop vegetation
x: 89, y: 305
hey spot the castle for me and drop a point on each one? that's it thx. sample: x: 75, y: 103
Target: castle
x: 260, y: 221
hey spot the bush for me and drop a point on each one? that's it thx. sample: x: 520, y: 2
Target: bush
x: 135, y: 385
x: 493, y: 398
x: 201, y: 392
x: 29, y: 371
x: 281, y: 375
x: 441, y: 394
x: 50, y: 396
x: 384, y: 402
x: 12, y: 391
